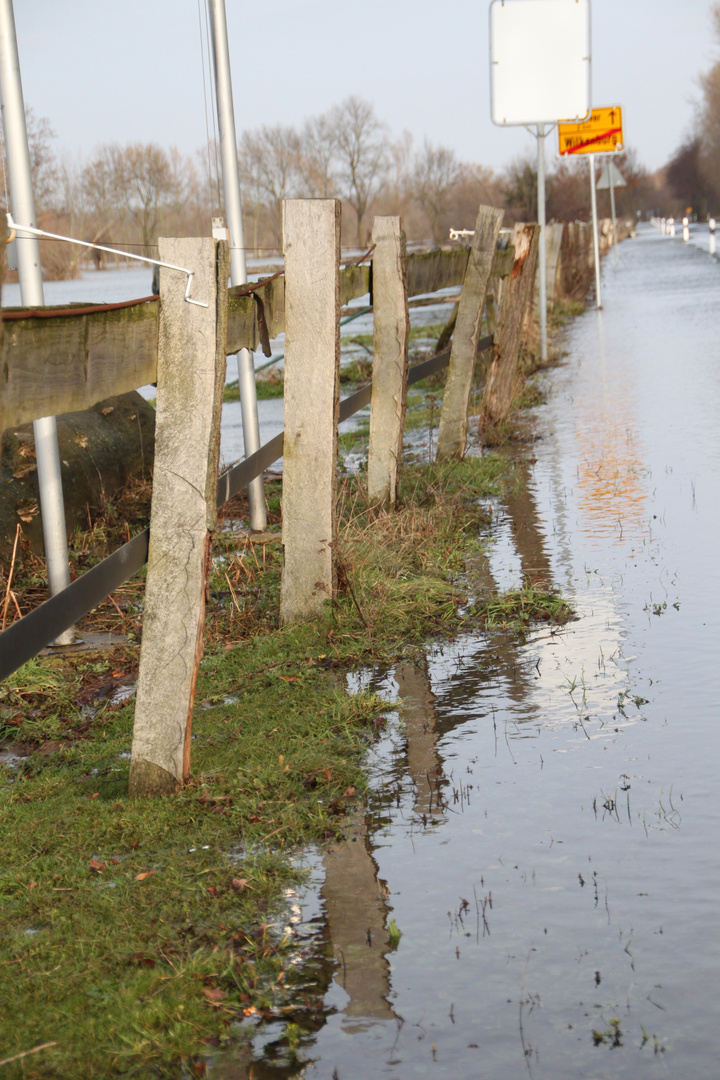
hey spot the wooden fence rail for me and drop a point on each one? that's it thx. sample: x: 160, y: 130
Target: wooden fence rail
x: 67, y: 359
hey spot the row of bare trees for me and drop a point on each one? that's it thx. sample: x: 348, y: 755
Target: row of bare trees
x: 126, y: 196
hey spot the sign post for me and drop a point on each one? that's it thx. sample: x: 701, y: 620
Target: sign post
x: 611, y: 177
x: 601, y: 133
x: 539, y: 72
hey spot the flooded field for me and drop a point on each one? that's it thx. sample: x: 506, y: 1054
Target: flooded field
x: 538, y: 890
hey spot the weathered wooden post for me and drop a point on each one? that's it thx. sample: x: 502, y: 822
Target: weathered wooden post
x: 502, y: 382
x: 452, y: 434
x: 190, y: 378
x: 391, y: 330
x: 311, y: 241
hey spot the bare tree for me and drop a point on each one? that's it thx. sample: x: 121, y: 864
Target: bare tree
x: 317, y: 147
x: 361, y: 155
x: 269, y: 164
x: 436, y: 175
x: 147, y: 182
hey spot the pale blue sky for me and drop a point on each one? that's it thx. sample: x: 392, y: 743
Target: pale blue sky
x: 106, y: 71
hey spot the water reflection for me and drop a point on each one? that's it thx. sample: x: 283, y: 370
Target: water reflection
x: 356, y: 912
x: 588, y: 829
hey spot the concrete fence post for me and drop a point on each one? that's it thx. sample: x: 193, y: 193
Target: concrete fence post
x: 503, y: 380
x: 391, y: 330
x: 311, y: 241
x: 452, y: 433
x: 190, y: 382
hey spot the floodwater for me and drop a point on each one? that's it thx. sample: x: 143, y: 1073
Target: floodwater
x: 537, y: 894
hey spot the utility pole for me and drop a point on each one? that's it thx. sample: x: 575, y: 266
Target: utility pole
x: 238, y: 268
x: 31, y: 293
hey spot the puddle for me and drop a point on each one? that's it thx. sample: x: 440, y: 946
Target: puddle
x: 534, y: 892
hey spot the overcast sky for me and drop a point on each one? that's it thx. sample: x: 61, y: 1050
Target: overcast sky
x: 131, y: 70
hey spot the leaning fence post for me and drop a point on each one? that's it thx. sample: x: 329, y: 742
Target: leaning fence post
x: 191, y: 377
x: 311, y: 241
x: 452, y: 434
x: 391, y: 330
x: 502, y: 381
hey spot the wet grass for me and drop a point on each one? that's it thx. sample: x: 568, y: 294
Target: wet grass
x: 136, y: 934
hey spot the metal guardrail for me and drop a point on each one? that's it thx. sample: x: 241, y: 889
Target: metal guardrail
x: 36, y: 630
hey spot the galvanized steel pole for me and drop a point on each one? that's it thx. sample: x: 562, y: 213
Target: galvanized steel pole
x: 542, y: 254
x: 31, y: 293
x: 238, y: 269
x: 596, y: 245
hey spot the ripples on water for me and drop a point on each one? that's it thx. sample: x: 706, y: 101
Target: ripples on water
x: 544, y: 815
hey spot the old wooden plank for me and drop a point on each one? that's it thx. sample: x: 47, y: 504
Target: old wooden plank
x: 58, y: 365
x: 503, y: 379
x: 452, y: 434
x: 246, y: 308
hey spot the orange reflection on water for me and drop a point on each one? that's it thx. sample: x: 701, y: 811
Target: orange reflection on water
x: 612, y: 476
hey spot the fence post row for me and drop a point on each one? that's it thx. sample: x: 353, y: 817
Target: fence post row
x: 391, y: 332
x: 502, y: 380
x: 452, y: 433
x: 190, y: 383
x: 311, y: 242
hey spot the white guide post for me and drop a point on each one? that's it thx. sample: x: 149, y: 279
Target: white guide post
x: 31, y: 292
x: 238, y: 268
x: 596, y: 245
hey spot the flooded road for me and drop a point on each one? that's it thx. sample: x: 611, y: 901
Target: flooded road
x: 538, y: 893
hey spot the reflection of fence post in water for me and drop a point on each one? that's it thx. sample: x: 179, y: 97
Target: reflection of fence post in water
x: 418, y: 713
x: 356, y: 914
x: 527, y: 536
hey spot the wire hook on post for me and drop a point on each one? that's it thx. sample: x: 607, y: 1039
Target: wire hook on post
x: 20, y: 229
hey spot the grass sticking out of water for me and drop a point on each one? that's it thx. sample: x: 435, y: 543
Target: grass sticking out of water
x: 518, y: 608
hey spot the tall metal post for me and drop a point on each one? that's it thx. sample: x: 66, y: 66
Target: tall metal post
x: 31, y: 293
x: 611, y: 171
x: 238, y: 269
x: 596, y: 245
x: 542, y: 255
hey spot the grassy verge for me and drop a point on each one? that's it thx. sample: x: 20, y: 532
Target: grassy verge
x: 135, y: 934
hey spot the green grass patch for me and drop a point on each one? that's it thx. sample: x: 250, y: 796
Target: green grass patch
x: 137, y: 933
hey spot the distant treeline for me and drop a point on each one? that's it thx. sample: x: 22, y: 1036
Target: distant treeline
x: 127, y: 196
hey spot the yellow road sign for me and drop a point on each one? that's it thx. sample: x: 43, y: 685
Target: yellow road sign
x: 601, y: 133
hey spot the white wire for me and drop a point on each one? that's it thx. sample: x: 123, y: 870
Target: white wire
x: 113, y: 251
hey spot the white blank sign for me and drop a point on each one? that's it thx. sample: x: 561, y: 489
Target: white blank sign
x: 539, y: 61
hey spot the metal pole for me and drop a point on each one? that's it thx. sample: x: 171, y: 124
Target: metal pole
x: 542, y: 260
x: 612, y: 208
x: 238, y: 270
x: 596, y: 246
x: 31, y: 293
